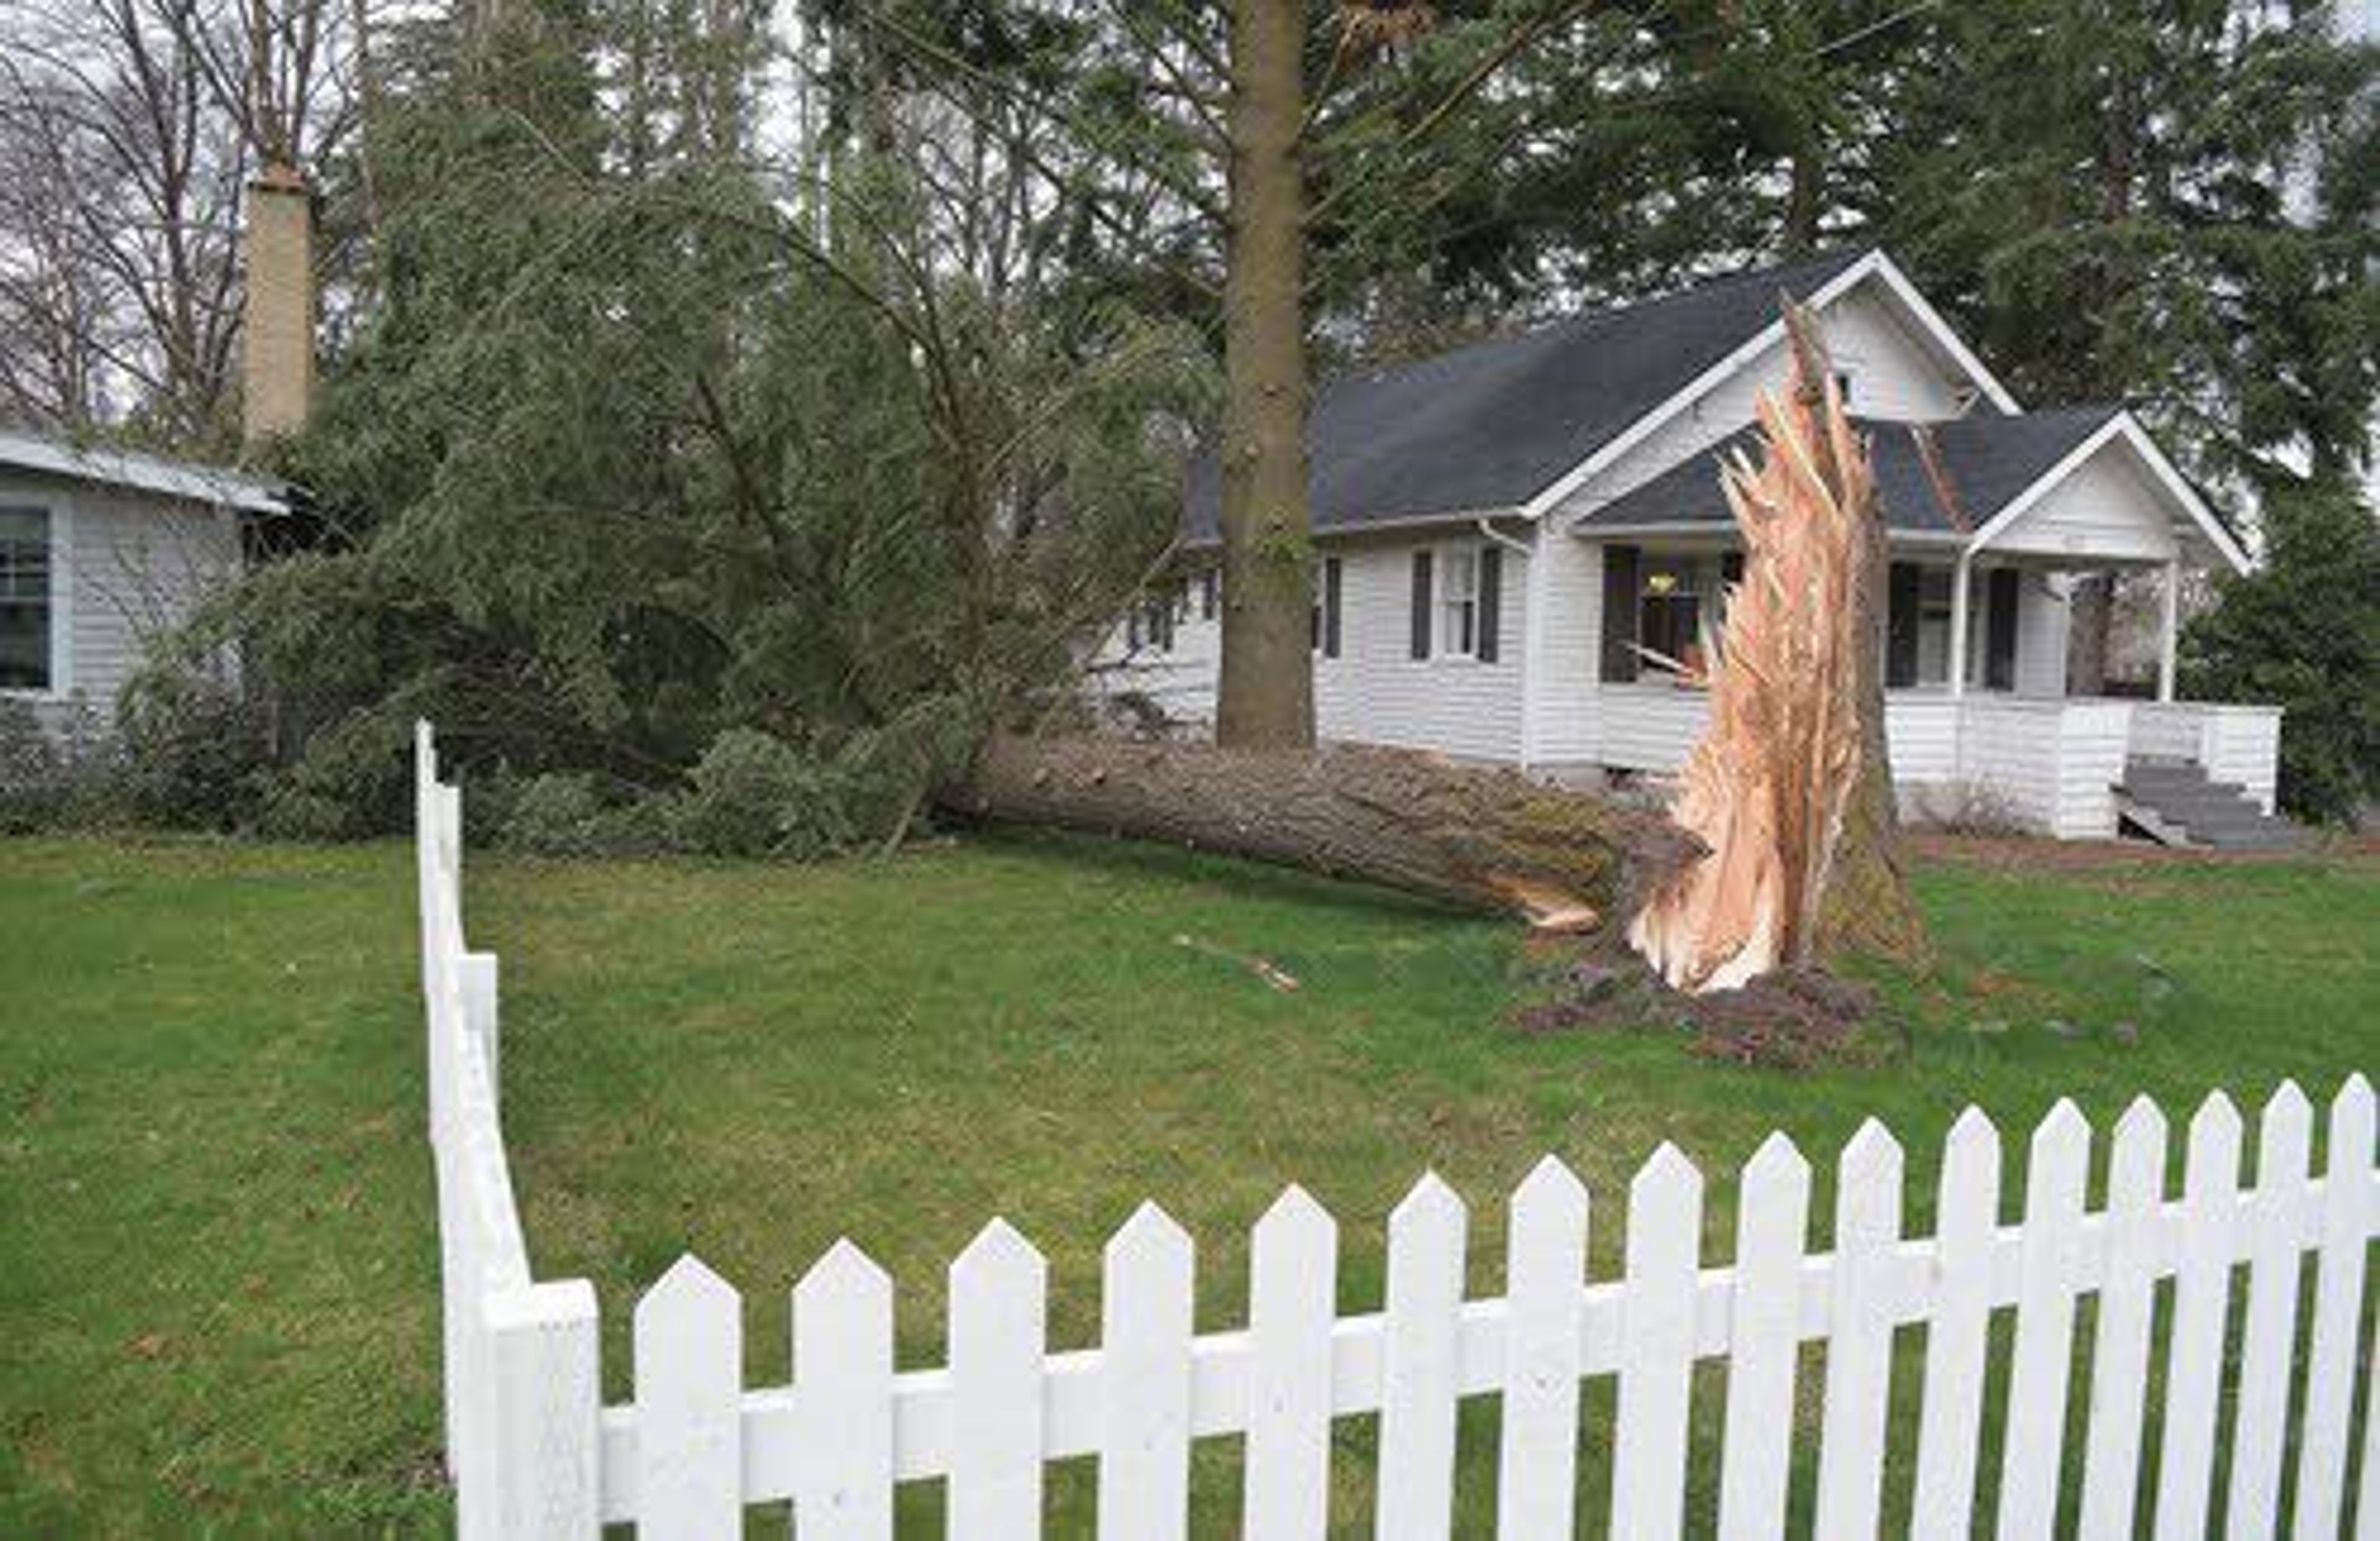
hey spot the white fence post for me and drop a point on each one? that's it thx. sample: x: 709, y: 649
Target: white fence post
x: 478, y: 973
x: 2202, y: 1298
x: 2270, y: 1342
x: 842, y: 1370
x: 689, y: 1360
x: 1292, y: 1301
x: 2338, y: 1306
x: 1656, y: 1349
x: 1544, y: 1264
x: 1949, y: 1419
x: 2056, y: 1170
x: 1146, y: 1321
x: 1764, y: 1341
x: 546, y: 1406
x: 999, y: 1320
x: 1859, y: 1340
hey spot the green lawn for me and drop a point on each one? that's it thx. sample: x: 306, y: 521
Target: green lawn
x: 217, y: 1286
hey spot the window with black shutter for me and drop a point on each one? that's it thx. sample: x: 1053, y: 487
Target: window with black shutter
x: 1904, y: 599
x: 2000, y: 590
x: 1335, y: 589
x: 1619, y: 614
x: 1421, y: 603
x: 1491, y: 601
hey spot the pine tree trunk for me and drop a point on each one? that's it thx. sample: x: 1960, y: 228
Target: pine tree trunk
x: 1475, y: 837
x: 1266, y: 698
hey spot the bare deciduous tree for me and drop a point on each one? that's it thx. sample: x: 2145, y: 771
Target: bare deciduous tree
x: 128, y: 129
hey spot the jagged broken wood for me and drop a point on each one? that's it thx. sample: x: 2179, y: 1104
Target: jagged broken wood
x: 1790, y: 789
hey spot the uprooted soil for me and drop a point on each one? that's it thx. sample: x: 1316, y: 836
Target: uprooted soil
x: 1793, y: 1019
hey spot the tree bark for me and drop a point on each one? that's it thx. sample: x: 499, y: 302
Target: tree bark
x: 1865, y: 905
x: 1266, y: 698
x: 1478, y: 837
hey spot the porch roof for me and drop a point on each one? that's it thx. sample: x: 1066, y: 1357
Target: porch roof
x: 1986, y: 463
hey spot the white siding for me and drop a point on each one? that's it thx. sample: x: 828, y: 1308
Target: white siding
x: 127, y: 565
x: 1566, y: 662
x: 2106, y: 509
x: 1180, y: 680
x: 1375, y: 691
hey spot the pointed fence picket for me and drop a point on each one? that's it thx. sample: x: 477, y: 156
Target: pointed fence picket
x: 535, y: 1454
x: 1949, y: 1419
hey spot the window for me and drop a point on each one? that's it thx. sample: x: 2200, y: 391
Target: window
x: 1670, y: 612
x: 1210, y: 588
x: 1324, y: 587
x: 25, y: 599
x: 1458, y: 602
x: 1149, y: 623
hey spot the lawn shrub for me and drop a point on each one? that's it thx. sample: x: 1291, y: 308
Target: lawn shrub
x: 49, y: 780
x: 190, y: 752
x: 754, y: 795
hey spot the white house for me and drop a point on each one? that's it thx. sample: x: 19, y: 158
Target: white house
x: 1514, y: 535
x: 100, y: 552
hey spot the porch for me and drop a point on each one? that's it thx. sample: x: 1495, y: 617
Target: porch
x: 2048, y: 763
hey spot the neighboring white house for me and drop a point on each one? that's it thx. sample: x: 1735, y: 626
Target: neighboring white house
x: 1514, y: 535
x: 100, y: 552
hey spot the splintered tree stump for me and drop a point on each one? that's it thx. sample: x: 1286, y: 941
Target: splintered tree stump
x: 1472, y: 836
x: 1790, y: 789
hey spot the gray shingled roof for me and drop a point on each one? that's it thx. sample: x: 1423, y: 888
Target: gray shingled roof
x: 1491, y: 425
x: 1988, y: 459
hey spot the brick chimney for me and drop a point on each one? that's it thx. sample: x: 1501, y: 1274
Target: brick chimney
x: 277, y: 355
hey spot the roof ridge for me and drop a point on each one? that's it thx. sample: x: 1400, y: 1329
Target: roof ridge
x: 1831, y: 263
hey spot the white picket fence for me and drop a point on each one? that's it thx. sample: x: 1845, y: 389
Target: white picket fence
x: 535, y: 1454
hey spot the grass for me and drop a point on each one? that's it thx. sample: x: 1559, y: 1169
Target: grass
x: 217, y: 1268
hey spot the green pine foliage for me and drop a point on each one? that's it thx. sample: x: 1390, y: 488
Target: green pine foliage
x: 630, y: 475
x: 2303, y: 631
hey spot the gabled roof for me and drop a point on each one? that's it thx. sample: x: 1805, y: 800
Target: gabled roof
x: 1488, y: 426
x: 174, y: 478
x: 1988, y: 460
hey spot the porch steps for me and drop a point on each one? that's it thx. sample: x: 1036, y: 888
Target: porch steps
x: 2174, y: 802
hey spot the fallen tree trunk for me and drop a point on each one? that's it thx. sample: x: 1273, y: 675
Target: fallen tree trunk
x: 1473, y: 836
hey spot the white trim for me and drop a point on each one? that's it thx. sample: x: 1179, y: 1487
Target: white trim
x: 1939, y: 331
x: 1389, y: 526
x: 2124, y: 426
x: 59, y: 517
x: 174, y: 478
x: 1439, y: 652
x: 1873, y: 266
x: 1726, y: 534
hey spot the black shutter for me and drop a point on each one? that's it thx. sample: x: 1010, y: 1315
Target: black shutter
x: 1730, y: 567
x: 2000, y: 628
x: 1332, y: 586
x: 1903, y: 598
x: 1421, y: 596
x: 1619, y: 614
x: 1208, y: 582
x: 1491, y: 599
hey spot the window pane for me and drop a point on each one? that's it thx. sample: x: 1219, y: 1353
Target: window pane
x: 24, y: 647
x: 29, y: 525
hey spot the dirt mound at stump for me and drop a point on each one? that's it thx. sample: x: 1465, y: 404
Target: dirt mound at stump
x: 1791, y: 1019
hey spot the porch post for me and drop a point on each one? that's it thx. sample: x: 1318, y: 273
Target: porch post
x: 1959, y: 626
x: 2169, y: 639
